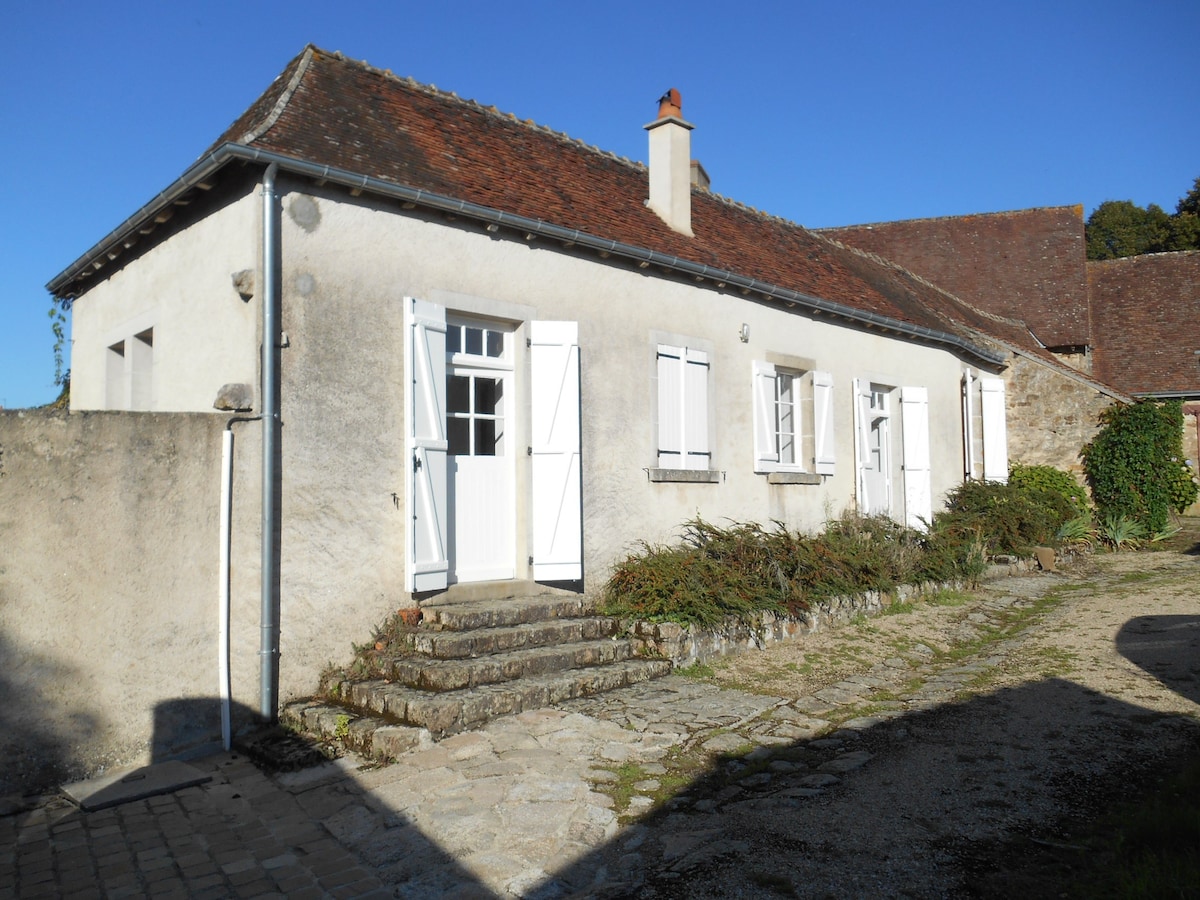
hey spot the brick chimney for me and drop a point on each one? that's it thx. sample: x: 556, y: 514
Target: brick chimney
x: 671, y: 165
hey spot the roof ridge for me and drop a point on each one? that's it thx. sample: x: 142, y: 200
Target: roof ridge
x: 492, y: 110
x: 284, y: 98
x: 487, y: 109
x: 947, y: 218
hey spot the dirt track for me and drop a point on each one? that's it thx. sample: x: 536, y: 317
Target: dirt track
x: 1095, y: 687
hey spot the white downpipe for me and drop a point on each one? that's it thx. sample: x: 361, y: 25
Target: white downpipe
x: 223, y: 610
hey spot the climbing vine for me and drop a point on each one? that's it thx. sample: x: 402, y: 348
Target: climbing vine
x: 1135, y: 465
x: 58, y: 325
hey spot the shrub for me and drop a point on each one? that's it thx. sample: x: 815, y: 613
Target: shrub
x: 1048, y: 478
x: 744, y: 569
x: 1004, y: 518
x: 1135, y: 464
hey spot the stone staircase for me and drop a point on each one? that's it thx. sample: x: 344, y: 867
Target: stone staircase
x: 468, y: 662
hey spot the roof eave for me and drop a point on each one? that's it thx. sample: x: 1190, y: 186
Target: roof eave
x: 204, y: 169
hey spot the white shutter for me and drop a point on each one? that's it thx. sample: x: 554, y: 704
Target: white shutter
x: 670, y: 407
x: 766, y: 451
x: 425, y: 350
x: 823, y: 422
x: 918, y: 492
x: 695, y: 415
x: 968, y: 387
x: 861, y: 443
x: 995, y: 430
x: 557, y: 482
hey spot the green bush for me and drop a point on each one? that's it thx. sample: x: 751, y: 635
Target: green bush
x: 745, y: 569
x: 1004, y: 518
x: 1048, y: 478
x: 1135, y: 464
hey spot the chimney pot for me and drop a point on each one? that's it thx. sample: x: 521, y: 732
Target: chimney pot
x: 670, y: 104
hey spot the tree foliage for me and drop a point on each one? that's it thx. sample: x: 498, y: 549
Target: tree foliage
x: 1119, y: 228
x: 1135, y: 465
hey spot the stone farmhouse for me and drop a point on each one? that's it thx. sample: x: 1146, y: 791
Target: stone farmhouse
x: 398, y: 349
x: 1124, y: 322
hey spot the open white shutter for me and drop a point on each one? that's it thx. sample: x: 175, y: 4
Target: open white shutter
x: 918, y: 491
x: 861, y: 444
x: 425, y: 351
x: 995, y: 430
x: 695, y: 415
x: 968, y: 387
x: 823, y: 422
x: 766, y: 453
x: 670, y: 407
x: 557, y: 481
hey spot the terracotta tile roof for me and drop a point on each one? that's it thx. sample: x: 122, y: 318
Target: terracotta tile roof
x: 327, y: 111
x: 1027, y: 264
x: 1145, y: 310
x: 345, y: 114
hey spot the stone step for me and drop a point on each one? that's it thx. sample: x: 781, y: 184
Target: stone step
x: 569, y: 652
x: 371, y: 736
x: 460, y: 644
x: 452, y: 711
x: 463, y: 616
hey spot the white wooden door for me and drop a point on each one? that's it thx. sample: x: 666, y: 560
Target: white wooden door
x: 481, y: 452
x: 873, y: 442
x: 557, y: 494
x: 427, y: 563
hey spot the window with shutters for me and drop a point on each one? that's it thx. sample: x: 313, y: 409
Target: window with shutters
x: 683, y: 440
x: 793, y: 419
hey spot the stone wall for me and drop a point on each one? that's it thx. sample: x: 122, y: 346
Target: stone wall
x: 1051, y: 414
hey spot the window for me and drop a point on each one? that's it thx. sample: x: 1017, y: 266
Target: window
x: 476, y: 371
x: 793, y: 420
x: 474, y: 415
x: 683, y: 408
x: 129, y: 370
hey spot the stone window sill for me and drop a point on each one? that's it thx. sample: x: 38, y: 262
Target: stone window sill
x: 793, y: 478
x: 694, y: 476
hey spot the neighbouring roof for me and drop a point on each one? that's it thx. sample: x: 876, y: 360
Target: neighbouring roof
x: 335, y: 119
x: 1145, y: 315
x: 1027, y: 264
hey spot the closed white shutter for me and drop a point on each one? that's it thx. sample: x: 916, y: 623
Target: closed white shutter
x: 766, y: 451
x: 425, y: 350
x: 670, y: 407
x: 918, y: 492
x: 695, y: 418
x: 557, y: 480
x: 823, y: 422
x: 995, y: 430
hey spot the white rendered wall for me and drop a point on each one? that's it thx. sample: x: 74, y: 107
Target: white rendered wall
x: 345, y: 279
x: 204, y: 332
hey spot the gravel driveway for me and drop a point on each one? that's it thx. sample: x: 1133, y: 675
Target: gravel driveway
x: 1038, y: 698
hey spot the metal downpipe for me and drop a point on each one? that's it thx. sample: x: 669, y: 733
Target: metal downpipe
x: 271, y: 340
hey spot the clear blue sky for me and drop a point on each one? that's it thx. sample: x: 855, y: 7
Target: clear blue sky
x: 824, y: 113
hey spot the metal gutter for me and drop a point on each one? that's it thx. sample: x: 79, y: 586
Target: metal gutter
x: 1167, y: 395
x: 228, y: 152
